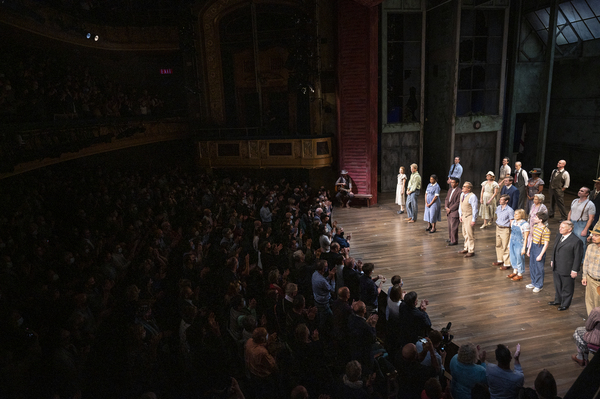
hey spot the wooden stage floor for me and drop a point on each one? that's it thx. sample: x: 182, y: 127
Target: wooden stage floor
x: 483, y: 305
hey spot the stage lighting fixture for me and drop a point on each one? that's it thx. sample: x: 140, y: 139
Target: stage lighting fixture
x: 96, y: 38
x: 89, y: 35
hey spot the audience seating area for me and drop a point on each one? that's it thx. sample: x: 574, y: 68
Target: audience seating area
x: 116, y: 282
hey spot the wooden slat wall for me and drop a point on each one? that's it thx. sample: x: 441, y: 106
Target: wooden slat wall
x: 357, y: 91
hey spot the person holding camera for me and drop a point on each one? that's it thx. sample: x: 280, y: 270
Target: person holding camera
x: 438, y: 351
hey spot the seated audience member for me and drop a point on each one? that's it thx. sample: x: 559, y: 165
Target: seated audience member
x: 333, y: 257
x: 545, y: 385
x: 299, y: 392
x: 344, y: 242
x: 352, y: 272
x: 260, y: 363
x: 503, y: 382
x: 285, y: 305
x: 465, y: 373
x: 369, y: 289
x: 412, y: 374
x: 436, y: 340
x: 393, y: 322
x: 590, y: 334
x: 413, y: 321
x: 295, y: 317
x: 353, y: 386
x: 237, y: 313
x: 480, y: 391
x: 393, y: 302
x: 362, y: 335
x: 341, y: 312
x: 433, y: 390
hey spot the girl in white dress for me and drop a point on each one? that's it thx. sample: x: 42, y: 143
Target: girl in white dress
x: 401, y: 190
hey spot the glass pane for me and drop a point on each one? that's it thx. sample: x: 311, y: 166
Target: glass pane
x: 582, y: 8
x: 582, y: 31
x: 412, y: 79
x: 395, y: 28
x: 464, y: 78
x: 492, y: 77
x: 478, y: 77
x: 481, y: 28
x: 480, y: 53
x: 543, y: 35
x: 494, y: 51
x: 467, y: 22
x: 544, y: 17
x: 535, y: 21
x: 412, y: 55
x: 465, y: 53
x: 560, y: 20
x: 595, y: 6
x: 569, y: 11
x: 491, y: 102
x: 560, y: 40
x: 395, y: 58
x: 495, y: 22
x: 594, y: 27
x: 477, y: 101
x: 569, y: 34
x: 463, y: 103
x: 412, y: 27
x: 411, y: 106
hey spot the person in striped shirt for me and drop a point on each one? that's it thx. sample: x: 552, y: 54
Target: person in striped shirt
x: 537, y: 251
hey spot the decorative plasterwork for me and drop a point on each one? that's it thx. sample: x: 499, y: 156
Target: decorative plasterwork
x: 209, y: 21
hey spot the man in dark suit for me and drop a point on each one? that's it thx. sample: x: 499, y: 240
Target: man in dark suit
x: 452, y: 203
x: 566, y: 261
x: 512, y: 192
x: 362, y: 334
x: 520, y: 181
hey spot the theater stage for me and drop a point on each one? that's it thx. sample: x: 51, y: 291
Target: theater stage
x: 483, y: 305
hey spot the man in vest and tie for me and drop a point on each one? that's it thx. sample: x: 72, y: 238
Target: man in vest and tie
x: 566, y: 263
x: 467, y: 212
x: 520, y: 182
x: 559, y: 182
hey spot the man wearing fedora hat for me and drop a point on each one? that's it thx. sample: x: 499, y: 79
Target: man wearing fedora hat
x: 591, y: 271
x: 595, y: 198
x: 559, y: 182
x: 343, y: 185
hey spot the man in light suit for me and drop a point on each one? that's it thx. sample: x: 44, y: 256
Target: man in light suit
x: 566, y: 261
x: 512, y: 192
x: 452, y: 203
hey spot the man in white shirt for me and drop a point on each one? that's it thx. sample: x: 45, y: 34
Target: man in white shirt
x: 456, y: 170
x: 504, y: 172
x: 582, y: 215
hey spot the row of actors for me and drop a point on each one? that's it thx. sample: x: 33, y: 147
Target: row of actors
x: 522, y: 196
x: 517, y: 236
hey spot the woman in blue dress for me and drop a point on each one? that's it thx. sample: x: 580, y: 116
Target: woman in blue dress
x: 432, y: 204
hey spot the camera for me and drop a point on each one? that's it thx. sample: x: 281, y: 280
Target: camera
x: 446, y: 336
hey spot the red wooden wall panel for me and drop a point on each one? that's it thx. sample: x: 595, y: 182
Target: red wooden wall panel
x: 357, y: 93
